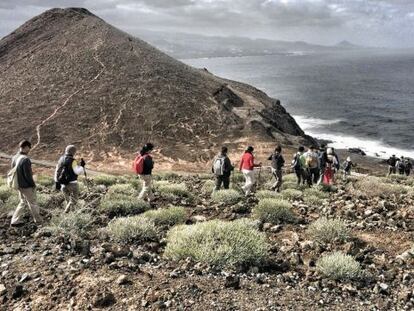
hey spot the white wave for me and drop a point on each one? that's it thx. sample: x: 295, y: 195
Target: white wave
x: 375, y: 148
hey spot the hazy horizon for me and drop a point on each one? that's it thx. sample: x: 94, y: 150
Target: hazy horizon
x: 382, y: 23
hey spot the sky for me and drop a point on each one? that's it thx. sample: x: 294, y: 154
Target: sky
x: 383, y: 23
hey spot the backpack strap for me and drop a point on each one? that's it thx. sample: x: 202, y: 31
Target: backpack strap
x: 19, y: 159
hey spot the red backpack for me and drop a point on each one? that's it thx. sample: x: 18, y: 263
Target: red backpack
x: 138, y: 164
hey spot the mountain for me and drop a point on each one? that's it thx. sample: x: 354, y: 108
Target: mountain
x: 184, y: 45
x: 69, y: 77
x: 347, y: 45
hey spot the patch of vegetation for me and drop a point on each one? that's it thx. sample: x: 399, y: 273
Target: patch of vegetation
x: 313, y: 200
x: 10, y: 204
x: 106, y: 180
x: 208, y: 187
x: 174, y: 190
x: 216, y: 242
x: 166, y: 176
x: 338, y: 266
x: 290, y: 178
x: 374, y: 187
x: 326, y: 230
x: 5, y: 192
x: 268, y: 194
x: 316, y: 192
x: 132, y: 229
x: 123, y: 206
x: 273, y: 211
x: 167, y: 216
x: 291, y: 194
x: 121, y: 191
x: 45, y: 181
x: 2, y: 181
x: 77, y: 223
x: 227, y: 197
x: 290, y: 185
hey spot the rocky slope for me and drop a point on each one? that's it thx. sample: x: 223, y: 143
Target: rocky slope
x: 69, y: 77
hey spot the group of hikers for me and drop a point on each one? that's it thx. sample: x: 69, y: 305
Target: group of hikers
x: 402, y: 166
x: 313, y: 167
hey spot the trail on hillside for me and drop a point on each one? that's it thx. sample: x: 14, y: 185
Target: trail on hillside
x: 67, y: 100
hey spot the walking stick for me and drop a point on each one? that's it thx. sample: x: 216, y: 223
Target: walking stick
x: 86, y: 176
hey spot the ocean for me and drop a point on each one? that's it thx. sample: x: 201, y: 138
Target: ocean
x: 355, y: 99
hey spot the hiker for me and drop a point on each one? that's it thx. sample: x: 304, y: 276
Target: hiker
x: 298, y: 165
x: 277, y: 164
x: 348, y: 165
x: 392, y: 161
x: 143, y: 166
x: 312, y: 165
x: 337, y: 163
x: 330, y: 167
x: 247, y: 166
x: 408, y: 167
x: 222, y: 169
x: 26, y: 185
x: 322, y: 162
x: 66, y: 176
x: 400, y: 166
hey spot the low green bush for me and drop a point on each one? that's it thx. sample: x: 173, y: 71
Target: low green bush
x: 123, y: 206
x: 313, y: 200
x: 167, y: 216
x: 106, y: 180
x: 5, y: 193
x: 78, y: 223
x: 373, y: 187
x: 326, y: 230
x: 290, y: 185
x: 227, y: 197
x: 291, y: 194
x: 291, y: 178
x: 121, y: 190
x: 174, y: 190
x: 315, y: 192
x: 45, y: 181
x: 208, y: 187
x: 273, y: 211
x: 216, y: 242
x: 338, y: 266
x: 10, y: 204
x: 267, y: 194
x: 132, y: 229
x: 166, y: 176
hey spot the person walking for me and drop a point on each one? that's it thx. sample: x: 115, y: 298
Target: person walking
x: 330, y: 167
x: 299, y: 166
x: 277, y: 164
x: 26, y: 185
x: 348, y: 165
x: 143, y: 166
x: 408, y: 166
x: 392, y: 162
x: 247, y: 166
x: 400, y: 165
x: 66, y: 176
x: 222, y: 169
x: 322, y: 162
x: 312, y: 166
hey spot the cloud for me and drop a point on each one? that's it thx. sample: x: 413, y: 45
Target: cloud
x: 375, y: 22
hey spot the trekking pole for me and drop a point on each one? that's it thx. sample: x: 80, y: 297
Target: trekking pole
x: 86, y: 177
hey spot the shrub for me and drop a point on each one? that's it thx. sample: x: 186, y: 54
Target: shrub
x: 313, y: 200
x: 76, y: 223
x: 398, y: 177
x: 204, y: 176
x: 273, y: 211
x: 5, y: 193
x: 338, y: 266
x: 373, y: 187
x: 131, y: 229
x: 208, y: 187
x: 121, y: 190
x: 290, y: 185
x: 167, y: 217
x: 166, y: 176
x: 316, y: 192
x: 106, y: 180
x: 290, y: 178
x: 174, y: 190
x: 45, y: 181
x: 266, y: 194
x: 237, y: 177
x: 2, y: 181
x: 327, y: 188
x: 10, y: 204
x: 228, y: 197
x: 291, y: 194
x: 216, y: 242
x: 326, y: 230
x: 123, y: 206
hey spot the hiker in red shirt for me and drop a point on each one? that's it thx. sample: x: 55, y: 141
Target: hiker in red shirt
x: 247, y: 166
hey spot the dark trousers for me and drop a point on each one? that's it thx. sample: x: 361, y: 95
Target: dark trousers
x: 224, y: 179
x: 301, y: 175
x: 313, y: 176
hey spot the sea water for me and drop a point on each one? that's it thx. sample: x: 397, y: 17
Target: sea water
x: 356, y: 99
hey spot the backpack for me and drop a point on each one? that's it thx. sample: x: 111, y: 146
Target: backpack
x: 401, y: 165
x: 63, y: 175
x: 138, y: 164
x: 312, y: 161
x: 296, y: 162
x: 12, y: 180
x: 218, y: 166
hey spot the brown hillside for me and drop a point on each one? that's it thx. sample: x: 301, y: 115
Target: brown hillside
x: 69, y: 77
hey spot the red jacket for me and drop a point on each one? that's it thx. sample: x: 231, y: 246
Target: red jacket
x: 247, y: 162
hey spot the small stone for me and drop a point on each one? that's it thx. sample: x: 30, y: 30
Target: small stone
x: 123, y: 280
x: 232, y: 281
x: 3, y: 289
x: 198, y: 218
x: 24, y: 277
